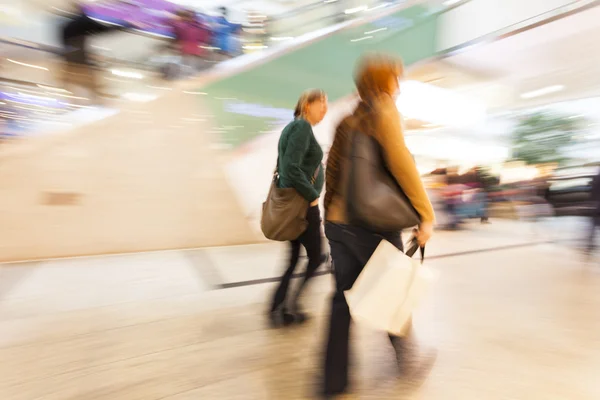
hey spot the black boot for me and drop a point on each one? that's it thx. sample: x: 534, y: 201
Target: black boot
x: 279, y: 316
x: 414, y: 361
x: 296, y: 313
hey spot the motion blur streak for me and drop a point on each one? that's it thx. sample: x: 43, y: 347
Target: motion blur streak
x: 138, y: 141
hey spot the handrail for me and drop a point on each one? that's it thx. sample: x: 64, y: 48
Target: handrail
x: 529, y: 23
x: 277, y: 19
x: 300, y: 10
x: 57, y: 51
x: 11, y: 81
x: 142, y: 65
x: 288, y: 14
x: 30, y: 45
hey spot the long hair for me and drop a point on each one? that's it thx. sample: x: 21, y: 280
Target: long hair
x: 373, y: 74
x: 307, y: 97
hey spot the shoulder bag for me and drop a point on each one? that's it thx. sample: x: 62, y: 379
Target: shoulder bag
x: 284, y: 212
x: 375, y: 201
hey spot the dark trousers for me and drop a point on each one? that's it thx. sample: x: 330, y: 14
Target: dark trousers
x: 591, y: 239
x: 312, y: 242
x: 351, y: 248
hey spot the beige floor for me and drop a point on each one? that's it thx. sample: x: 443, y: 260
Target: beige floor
x: 513, y: 317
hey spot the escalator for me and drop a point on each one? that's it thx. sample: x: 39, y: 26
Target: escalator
x: 263, y: 87
x: 260, y: 97
x: 153, y: 176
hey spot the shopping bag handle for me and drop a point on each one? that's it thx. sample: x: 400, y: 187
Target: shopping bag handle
x: 413, y: 245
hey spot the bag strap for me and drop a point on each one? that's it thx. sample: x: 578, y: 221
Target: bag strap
x: 276, y: 172
x: 413, y: 245
x: 316, y: 175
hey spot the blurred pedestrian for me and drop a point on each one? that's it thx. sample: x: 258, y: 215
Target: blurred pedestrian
x: 224, y: 33
x: 595, y: 216
x: 191, y: 38
x: 300, y: 167
x: 77, y: 67
x: 377, y: 80
x: 485, y: 181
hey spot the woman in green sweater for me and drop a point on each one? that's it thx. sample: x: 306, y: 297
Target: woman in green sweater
x: 300, y: 167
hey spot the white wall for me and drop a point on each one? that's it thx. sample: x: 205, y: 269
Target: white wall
x: 478, y: 18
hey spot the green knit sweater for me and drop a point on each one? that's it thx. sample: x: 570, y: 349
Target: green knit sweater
x: 299, y: 157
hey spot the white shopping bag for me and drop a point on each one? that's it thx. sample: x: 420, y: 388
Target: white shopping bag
x: 388, y: 290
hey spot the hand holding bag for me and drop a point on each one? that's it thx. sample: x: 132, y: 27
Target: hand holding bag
x: 389, y: 288
x: 284, y: 212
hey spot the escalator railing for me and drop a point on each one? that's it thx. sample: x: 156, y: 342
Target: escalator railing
x: 293, y: 23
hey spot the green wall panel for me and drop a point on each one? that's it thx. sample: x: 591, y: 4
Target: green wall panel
x: 262, y: 98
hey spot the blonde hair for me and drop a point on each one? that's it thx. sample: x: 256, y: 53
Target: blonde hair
x: 307, y: 97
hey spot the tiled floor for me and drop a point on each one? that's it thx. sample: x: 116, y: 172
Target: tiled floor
x: 514, y: 316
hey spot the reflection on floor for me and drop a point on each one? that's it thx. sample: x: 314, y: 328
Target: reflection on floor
x: 514, y: 316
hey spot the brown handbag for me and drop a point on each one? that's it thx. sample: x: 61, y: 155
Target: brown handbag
x: 284, y: 212
x: 375, y: 200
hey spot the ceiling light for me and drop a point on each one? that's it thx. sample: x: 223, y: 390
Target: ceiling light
x: 71, y: 97
x: 75, y: 105
x: 193, y: 119
x: 35, y: 97
x: 254, y: 47
x: 139, y: 97
x: 50, y: 88
x: 542, y: 92
x: 63, y: 11
x: 159, y: 87
x: 36, y: 92
x: 362, y: 38
x: 34, y: 109
x: 383, y: 5
x: 375, y: 31
x: 27, y: 65
x: 355, y: 10
x: 449, y: 3
x: 127, y: 74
